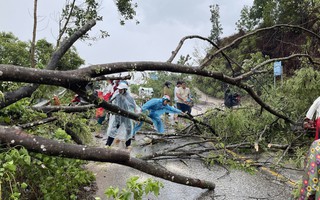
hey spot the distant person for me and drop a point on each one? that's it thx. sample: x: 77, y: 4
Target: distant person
x: 178, y: 85
x: 167, y: 89
x: 157, y: 107
x: 314, y: 113
x: 104, y: 92
x: 107, y: 91
x: 231, y: 99
x: 184, y: 98
x: 121, y: 127
x: 115, y: 91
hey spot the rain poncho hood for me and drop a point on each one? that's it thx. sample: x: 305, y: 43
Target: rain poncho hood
x: 156, y: 109
x: 120, y: 126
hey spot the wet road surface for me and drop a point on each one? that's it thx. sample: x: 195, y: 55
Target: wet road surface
x: 230, y: 184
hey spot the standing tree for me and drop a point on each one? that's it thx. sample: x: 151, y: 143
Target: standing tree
x: 246, y: 23
x: 216, y: 29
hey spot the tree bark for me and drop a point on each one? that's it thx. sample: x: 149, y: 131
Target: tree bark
x: 12, y: 97
x: 15, y: 136
x: 76, y: 80
x: 66, y: 109
x: 37, y: 123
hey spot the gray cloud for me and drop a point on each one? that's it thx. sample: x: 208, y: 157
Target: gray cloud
x: 162, y: 24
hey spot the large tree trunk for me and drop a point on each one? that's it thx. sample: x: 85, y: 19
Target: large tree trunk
x: 15, y: 136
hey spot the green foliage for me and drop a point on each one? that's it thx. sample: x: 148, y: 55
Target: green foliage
x: 301, y: 89
x: 60, y: 177
x: 8, y: 169
x: 74, y: 16
x: 37, y: 176
x: 134, y: 88
x: 158, y: 84
x: 216, y: 29
x: 299, y: 156
x: 127, y: 10
x: 221, y: 159
x: 249, y: 123
x: 270, y: 12
x: 62, y: 135
x: 13, y: 51
x: 135, y: 189
x: 70, y: 60
x: 82, y: 125
x: 296, y: 191
x: 216, y: 88
x: 19, y: 113
x: 246, y: 23
x: 16, y: 52
x: 233, y: 123
x: 293, y: 11
x: 210, y: 87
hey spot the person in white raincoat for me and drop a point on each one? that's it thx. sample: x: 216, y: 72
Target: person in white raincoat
x: 121, y: 127
x: 157, y: 107
x: 315, y: 110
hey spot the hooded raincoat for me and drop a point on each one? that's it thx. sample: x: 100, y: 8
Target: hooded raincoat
x: 119, y: 126
x: 156, y: 109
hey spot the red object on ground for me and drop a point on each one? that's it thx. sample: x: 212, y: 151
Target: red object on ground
x: 309, y: 125
x: 76, y: 98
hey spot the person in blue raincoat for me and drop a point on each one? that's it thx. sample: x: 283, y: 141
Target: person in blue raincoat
x: 157, y: 107
x: 121, y: 127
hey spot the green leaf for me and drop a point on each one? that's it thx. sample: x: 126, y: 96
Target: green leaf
x: 24, y: 185
x: 27, y: 160
x: 10, y: 166
x: 112, y: 192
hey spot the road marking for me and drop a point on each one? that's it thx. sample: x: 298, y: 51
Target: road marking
x: 265, y: 169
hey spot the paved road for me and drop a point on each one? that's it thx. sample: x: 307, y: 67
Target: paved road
x: 230, y: 184
x: 205, y: 102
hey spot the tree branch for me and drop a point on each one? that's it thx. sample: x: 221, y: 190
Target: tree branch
x: 77, y: 79
x: 37, y: 123
x: 205, y: 63
x: 66, y: 109
x: 175, y: 52
x: 23, y: 92
x: 15, y: 136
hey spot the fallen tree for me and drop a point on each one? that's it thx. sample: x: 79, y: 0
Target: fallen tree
x: 16, y: 137
x: 78, y: 81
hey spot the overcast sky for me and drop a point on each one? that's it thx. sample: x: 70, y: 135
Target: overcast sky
x: 162, y: 24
